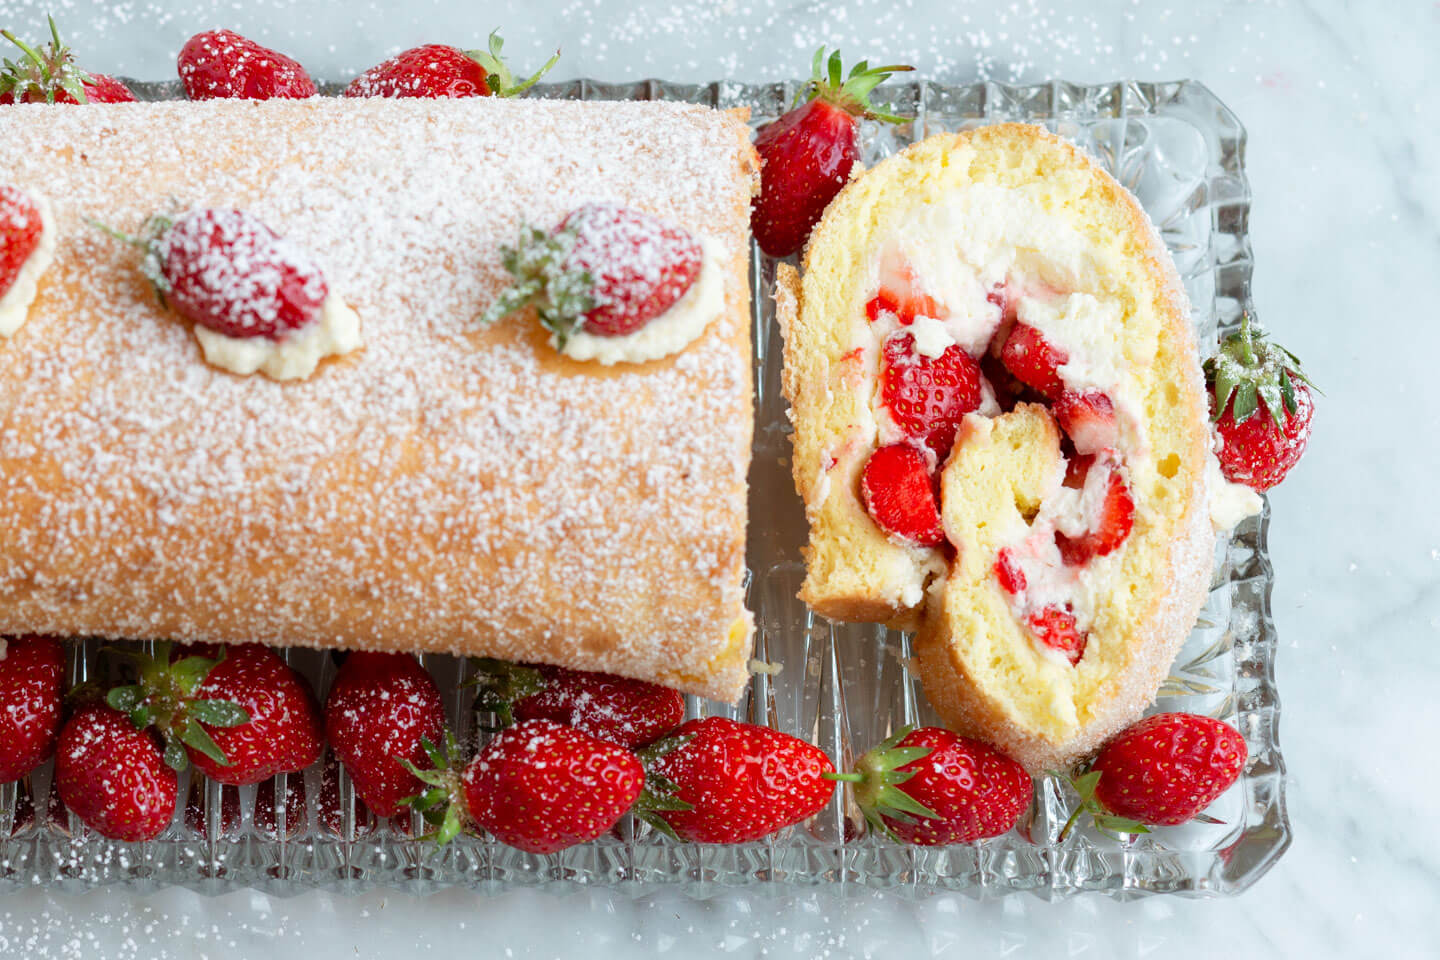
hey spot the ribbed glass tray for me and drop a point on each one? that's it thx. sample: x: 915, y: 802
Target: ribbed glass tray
x: 843, y: 687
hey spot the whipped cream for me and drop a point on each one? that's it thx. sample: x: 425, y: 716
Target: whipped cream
x: 673, y: 330
x: 15, y: 304
x: 336, y: 333
x: 1230, y: 502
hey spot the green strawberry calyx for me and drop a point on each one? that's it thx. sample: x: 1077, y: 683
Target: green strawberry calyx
x: 877, y: 778
x: 829, y: 83
x: 660, y: 793
x: 442, y: 803
x: 499, y: 78
x: 46, y: 72
x: 561, y: 294
x: 164, y: 696
x: 1248, y: 370
x: 500, y: 684
x: 1085, y: 785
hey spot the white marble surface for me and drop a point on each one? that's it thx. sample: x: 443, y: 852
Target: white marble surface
x: 1345, y: 163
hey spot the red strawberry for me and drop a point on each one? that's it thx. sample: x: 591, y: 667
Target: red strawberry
x: 52, y: 76
x: 629, y: 712
x: 1110, y: 528
x: 1164, y: 770
x: 228, y: 272
x: 379, y: 710
x: 718, y: 781
x: 111, y: 775
x: 20, y: 229
x: 1088, y: 419
x: 1261, y: 377
x: 283, y: 734
x: 808, y: 153
x: 438, y: 71
x: 621, y: 267
x: 1008, y: 572
x: 900, y: 294
x: 540, y: 786
x: 1055, y: 627
x: 1077, y: 468
x: 1033, y: 360
x: 928, y: 396
x: 900, y: 496
x: 221, y: 64
x: 32, y: 675
x: 955, y: 790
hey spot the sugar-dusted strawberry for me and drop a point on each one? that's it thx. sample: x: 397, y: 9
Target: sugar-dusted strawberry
x: 32, y: 677
x: 606, y: 270
x: 900, y: 293
x: 719, y: 781
x: 112, y: 776
x: 239, y: 713
x: 539, y: 786
x: 380, y: 708
x: 221, y: 64
x: 284, y: 732
x: 1261, y: 404
x: 932, y: 787
x: 1108, y: 528
x: 629, y: 712
x: 899, y: 495
x: 808, y: 153
x: 1088, y: 419
x: 1055, y: 627
x: 437, y: 70
x: 1164, y: 770
x: 228, y: 272
x: 50, y: 75
x: 20, y: 228
x: 1033, y: 360
x: 927, y: 397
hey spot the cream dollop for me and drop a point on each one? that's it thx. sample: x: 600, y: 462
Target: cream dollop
x: 1230, y: 502
x: 15, y: 304
x: 673, y: 330
x: 335, y: 334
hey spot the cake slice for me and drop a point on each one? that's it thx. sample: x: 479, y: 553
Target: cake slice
x: 449, y: 485
x: 998, y: 305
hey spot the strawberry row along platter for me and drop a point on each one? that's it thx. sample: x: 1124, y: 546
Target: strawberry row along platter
x: 842, y: 687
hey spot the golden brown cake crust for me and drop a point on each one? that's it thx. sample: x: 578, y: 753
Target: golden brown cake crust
x: 448, y: 488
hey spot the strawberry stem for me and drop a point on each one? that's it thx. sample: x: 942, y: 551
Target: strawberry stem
x: 852, y: 94
x: 844, y: 777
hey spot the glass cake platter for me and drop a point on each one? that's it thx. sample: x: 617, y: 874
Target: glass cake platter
x: 844, y: 687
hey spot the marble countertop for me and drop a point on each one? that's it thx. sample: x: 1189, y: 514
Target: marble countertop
x: 1344, y: 160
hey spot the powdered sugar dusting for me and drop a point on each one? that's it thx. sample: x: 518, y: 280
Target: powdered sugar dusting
x: 450, y: 487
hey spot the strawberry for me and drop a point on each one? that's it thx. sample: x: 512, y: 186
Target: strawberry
x: 629, y: 712
x: 1163, y: 770
x: 900, y: 495
x: 221, y: 64
x: 52, y: 76
x: 1077, y: 468
x: 808, y: 153
x: 1055, y: 627
x: 955, y: 790
x: 1258, y: 451
x: 1108, y: 530
x: 32, y: 675
x: 900, y: 294
x: 607, y: 270
x: 112, y: 775
x: 928, y: 396
x: 380, y: 708
x: 239, y: 713
x: 1088, y: 419
x: 1033, y: 360
x: 438, y: 71
x: 1008, y: 573
x: 228, y: 272
x: 719, y: 781
x: 540, y: 786
x: 20, y: 228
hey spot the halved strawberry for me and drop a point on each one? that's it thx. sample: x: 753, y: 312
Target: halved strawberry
x: 928, y: 396
x: 1033, y: 360
x: 1088, y: 418
x: 1008, y: 572
x: 20, y: 229
x: 900, y: 496
x: 1112, y: 526
x: 1055, y: 627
